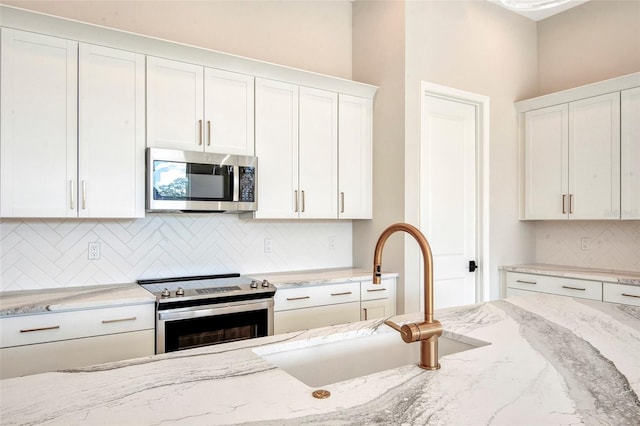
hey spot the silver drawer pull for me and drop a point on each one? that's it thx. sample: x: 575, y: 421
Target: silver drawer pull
x: 377, y: 289
x: 29, y: 330
x: 526, y: 282
x: 119, y: 320
x: 573, y: 288
x: 341, y: 294
x: 298, y: 298
x: 630, y: 295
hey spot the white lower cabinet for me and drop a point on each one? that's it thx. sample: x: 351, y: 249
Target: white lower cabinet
x: 621, y: 293
x: 38, y: 343
x: 307, y: 307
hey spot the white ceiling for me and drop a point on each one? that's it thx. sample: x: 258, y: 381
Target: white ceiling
x: 537, y: 15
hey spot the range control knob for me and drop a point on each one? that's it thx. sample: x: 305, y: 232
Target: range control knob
x: 165, y: 293
x: 254, y: 284
x: 265, y: 283
x: 180, y: 291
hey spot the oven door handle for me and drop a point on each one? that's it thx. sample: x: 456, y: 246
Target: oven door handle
x: 212, y: 310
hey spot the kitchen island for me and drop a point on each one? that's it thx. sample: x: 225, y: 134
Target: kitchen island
x: 551, y: 360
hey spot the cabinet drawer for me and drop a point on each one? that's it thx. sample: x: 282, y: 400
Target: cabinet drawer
x: 52, y: 356
x: 555, y: 285
x: 314, y: 317
x: 49, y: 327
x: 371, y: 291
x: 304, y: 297
x: 621, y: 293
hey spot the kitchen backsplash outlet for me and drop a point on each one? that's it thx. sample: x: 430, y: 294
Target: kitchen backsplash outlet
x: 44, y: 253
x: 609, y: 245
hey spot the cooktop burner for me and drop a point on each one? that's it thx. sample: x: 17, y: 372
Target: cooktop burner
x: 206, y: 287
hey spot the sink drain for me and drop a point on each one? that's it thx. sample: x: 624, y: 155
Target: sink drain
x: 321, y: 394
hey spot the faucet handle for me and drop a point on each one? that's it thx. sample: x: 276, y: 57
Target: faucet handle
x: 393, y: 325
x: 422, y: 331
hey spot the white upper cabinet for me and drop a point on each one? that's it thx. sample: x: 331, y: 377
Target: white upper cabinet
x: 318, y: 154
x: 572, y: 160
x: 72, y: 129
x: 630, y: 154
x: 277, y: 149
x: 111, y: 133
x: 546, y: 160
x: 39, y: 125
x: 354, y: 157
x: 193, y: 108
x: 594, y: 158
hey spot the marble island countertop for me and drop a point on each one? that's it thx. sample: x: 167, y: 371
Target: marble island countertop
x: 607, y: 275
x: 27, y: 302
x: 551, y: 360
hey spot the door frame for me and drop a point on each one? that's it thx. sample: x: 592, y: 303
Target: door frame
x: 481, y: 102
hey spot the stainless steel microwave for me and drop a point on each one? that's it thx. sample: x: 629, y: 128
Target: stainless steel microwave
x: 200, y: 181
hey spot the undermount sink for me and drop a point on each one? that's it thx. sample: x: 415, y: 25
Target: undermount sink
x: 326, y: 363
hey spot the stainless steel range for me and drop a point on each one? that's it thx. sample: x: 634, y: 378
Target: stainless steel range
x: 210, y: 309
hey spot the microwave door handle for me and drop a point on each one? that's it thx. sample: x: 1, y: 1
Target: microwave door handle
x: 236, y: 183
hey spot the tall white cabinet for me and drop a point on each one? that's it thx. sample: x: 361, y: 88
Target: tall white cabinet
x: 578, y: 157
x: 196, y: 108
x: 72, y: 129
x: 39, y: 142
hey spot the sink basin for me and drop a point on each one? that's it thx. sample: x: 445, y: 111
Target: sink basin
x: 326, y: 363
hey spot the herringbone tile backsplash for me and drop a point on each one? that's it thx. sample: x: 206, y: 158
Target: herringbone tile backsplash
x: 42, y: 253
x: 612, y: 244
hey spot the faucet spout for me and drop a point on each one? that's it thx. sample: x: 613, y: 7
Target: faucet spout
x: 428, y: 331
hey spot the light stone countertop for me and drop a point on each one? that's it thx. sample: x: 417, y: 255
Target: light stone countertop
x: 310, y: 278
x: 551, y: 360
x: 29, y: 302
x: 606, y: 275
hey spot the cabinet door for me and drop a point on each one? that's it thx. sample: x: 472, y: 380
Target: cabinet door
x: 375, y: 309
x: 277, y: 149
x: 318, y: 161
x: 546, y: 156
x: 111, y: 133
x: 630, y: 154
x: 228, y: 106
x: 38, y: 145
x: 594, y: 157
x: 354, y: 157
x: 174, y: 105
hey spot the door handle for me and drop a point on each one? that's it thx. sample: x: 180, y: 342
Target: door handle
x: 472, y: 266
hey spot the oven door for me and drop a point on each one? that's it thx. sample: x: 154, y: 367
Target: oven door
x: 192, y: 327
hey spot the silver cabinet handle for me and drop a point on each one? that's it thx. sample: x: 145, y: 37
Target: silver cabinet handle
x: 73, y: 204
x: 298, y: 298
x: 29, y: 330
x: 302, y: 193
x: 570, y: 203
x: 342, y: 202
x: 630, y: 295
x: 295, y: 194
x: 564, y: 203
x: 84, y: 195
x: 208, y: 132
x: 344, y: 293
x: 199, y: 132
x: 573, y: 288
x: 526, y: 282
x: 376, y: 289
x: 119, y: 320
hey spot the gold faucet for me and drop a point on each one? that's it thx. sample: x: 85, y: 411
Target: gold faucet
x: 426, y: 332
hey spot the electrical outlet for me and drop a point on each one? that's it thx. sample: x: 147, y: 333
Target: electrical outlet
x: 585, y: 243
x: 332, y: 242
x: 94, y: 251
x: 268, y: 245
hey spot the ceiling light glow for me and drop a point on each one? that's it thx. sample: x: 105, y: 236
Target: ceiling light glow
x: 532, y: 4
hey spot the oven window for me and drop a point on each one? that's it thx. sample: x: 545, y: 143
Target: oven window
x: 211, y: 330
x: 192, y: 181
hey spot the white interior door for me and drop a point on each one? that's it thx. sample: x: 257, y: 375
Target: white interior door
x: 449, y: 196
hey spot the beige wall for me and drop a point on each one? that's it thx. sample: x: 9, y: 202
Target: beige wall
x: 311, y: 35
x: 595, y: 41
x: 378, y: 58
